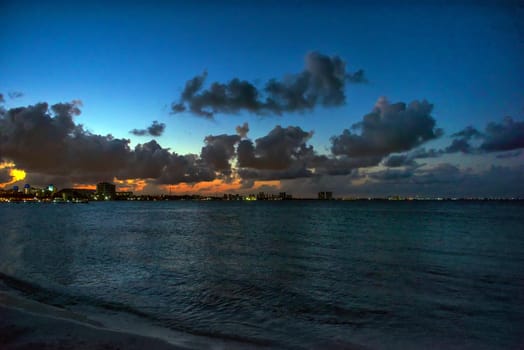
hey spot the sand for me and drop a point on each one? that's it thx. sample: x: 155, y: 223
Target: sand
x: 26, y: 324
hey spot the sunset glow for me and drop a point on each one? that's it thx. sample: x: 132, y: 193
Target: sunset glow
x: 15, y: 174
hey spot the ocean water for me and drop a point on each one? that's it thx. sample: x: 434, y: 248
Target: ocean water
x: 290, y: 274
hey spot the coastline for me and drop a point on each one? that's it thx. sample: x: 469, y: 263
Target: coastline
x: 28, y: 324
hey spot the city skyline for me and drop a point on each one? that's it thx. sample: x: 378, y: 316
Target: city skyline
x: 357, y: 99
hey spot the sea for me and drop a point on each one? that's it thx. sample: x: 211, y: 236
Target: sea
x: 278, y: 275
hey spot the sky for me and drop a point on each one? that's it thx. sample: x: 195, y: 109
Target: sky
x: 378, y: 98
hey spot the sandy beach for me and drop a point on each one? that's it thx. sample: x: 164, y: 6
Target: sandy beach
x: 26, y: 324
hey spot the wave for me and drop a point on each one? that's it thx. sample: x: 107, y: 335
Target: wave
x: 32, y: 297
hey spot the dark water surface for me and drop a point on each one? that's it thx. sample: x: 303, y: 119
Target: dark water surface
x: 292, y: 274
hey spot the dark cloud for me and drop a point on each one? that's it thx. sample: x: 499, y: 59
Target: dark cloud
x: 147, y: 161
x: 15, y: 94
x: 409, y: 159
x: 139, y: 132
x: 2, y: 99
x: 185, y: 168
x: 399, y: 160
x: 441, y: 180
x: 283, y: 153
x: 36, y: 139
x: 468, y: 133
x: 440, y: 173
x: 218, y: 152
x: 357, y: 77
x: 459, y: 145
x: 392, y: 175
x: 5, y: 175
x: 505, y: 136
x: 387, y: 129
x: 462, y: 141
x: 278, y: 150
x: 151, y: 161
x: 156, y: 129
x: 509, y: 154
x: 421, y: 153
x: 322, y: 82
x: 342, y: 165
x: 242, y: 130
x: 294, y: 171
x: 48, y: 145
x: 46, y: 142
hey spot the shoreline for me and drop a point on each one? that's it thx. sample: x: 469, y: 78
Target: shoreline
x: 25, y: 330
x: 28, y: 324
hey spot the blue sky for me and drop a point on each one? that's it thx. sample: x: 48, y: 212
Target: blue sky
x: 129, y: 61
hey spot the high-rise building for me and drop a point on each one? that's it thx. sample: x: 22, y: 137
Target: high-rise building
x: 325, y: 195
x: 105, y: 191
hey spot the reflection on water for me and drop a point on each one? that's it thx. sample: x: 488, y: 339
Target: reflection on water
x: 287, y: 274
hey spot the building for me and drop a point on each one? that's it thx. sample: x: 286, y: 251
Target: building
x: 105, y: 191
x: 325, y: 195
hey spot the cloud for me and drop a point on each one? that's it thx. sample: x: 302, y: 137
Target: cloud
x: 2, y: 99
x: 509, y: 154
x: 15, y: 94
x: 441, y: 180
x: 147, y: 161
x: 421, y: 153
x: 321, y: 83
x: 341, y: 165
x: 440, y: 173
x: 399, y: 160
x: 461, y: 141
x: 357, y: 77
x: 408, y: 159
x: 283, y: 153
x: 279, y: 149
x: 156, y: 129
x: 218, y: 152
x: 392, y: 175
x: 389, y: 128
x: 459, y: 145
x: 47, y: 143
x: 185, y: 168
x: 242, y: 130
x: 35, y: 138
x: 507, y: 135
x: 5, y: 175
x: 51, y: 147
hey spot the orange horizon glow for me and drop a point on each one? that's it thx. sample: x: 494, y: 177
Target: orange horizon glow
x: 84, y: 187
x: 215, y: 187
x: 204, y: 187
x: 130, y: 185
